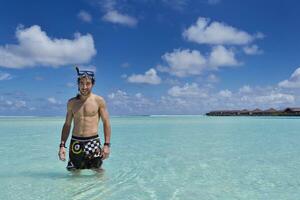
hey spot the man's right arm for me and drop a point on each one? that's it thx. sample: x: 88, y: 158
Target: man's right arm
x: 67, y: 125
x: 65, y: 131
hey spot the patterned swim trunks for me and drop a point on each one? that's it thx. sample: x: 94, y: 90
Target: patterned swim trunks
x: 85, y: 153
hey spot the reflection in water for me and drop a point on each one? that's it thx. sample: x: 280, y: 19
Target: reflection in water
x: 86, y: 184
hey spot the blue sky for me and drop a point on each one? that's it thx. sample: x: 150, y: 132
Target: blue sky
x: 150, y: 56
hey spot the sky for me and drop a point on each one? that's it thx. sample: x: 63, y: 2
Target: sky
x: 150, y: 57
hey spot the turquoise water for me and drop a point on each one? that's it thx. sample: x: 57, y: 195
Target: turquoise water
x: 178, y: 157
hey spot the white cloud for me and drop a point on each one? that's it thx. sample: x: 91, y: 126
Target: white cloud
x: 225, y: 93
x: 220, y: 56
x: 5, y: 76
x: 149, y: 77
x: 293, y: 81
x: 138, y: 95
x: 115, y: 17
x: 252, y: 50
x: 52, y: 100
x: 191, y: 98
x: 204, y: 32
x: 9, y: 103
x: 108, y: 4
x: 170, y: 103
x: 183, y: 63
x: 20, y: 104
x: 121, y: 102
x: 37, y: 48
x: 245, y: 89
x: 259, y: 97
x: 119, y: 97
x: 84, y: 16
x: 188, y: 90
x: 212, y: 78
x: 275, y: 98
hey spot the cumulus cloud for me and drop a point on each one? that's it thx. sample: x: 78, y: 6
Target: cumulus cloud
x: 121, y: 102
x: 206, y: 32
x: 84, y: 16
x: 252, y: 50
x: 183, y: 63
x: 119, y: 97
x: 275, y: 98
x: 262, y: 97
x: 188, y: 90
x: 5, y: 76
x: 225, y: 93
x: 150, y: 77
x: 20, y: 104
x: 35, y: 48
x: 115, y: 17
x: 293, y: 81
x: 187, y: 99
x: 108, y: 4
x: 54, y: 101
x: 245, y: 89
x: 221, y: 56
x: 212, y: 78
x: 9, y: 103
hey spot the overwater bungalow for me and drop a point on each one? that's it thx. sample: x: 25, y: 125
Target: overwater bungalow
x: 257, y: 112
x: 292, y: 111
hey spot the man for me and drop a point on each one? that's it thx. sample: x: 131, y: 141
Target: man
x: 86, y: 109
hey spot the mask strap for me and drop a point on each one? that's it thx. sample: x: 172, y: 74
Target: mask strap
x: 77, y: 69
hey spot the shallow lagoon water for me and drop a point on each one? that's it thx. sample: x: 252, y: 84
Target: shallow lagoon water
x: 158, y: 157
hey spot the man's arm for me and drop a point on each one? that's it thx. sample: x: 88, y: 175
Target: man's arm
x: 67, y: 125
x: 106, y: 128
x: 65, y: 132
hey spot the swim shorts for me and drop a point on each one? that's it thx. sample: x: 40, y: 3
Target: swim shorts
x: 85, y: 153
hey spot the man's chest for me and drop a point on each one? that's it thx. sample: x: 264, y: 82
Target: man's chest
x: 88, y: 108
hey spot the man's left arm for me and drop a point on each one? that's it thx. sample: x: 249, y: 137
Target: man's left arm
x: 106, y: 128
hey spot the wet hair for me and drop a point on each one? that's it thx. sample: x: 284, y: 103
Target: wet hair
x: 84, y: 76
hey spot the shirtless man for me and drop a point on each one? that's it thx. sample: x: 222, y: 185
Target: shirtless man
x: 86, y: 109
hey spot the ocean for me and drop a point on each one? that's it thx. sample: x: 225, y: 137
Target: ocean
x: 159, y: 158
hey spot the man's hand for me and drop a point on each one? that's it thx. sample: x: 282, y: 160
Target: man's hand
x: 105, y: 152
x: 62, y: 153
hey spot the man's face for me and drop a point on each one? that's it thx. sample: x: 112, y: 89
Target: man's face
x: 85, y: 86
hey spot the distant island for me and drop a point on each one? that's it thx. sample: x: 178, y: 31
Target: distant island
x: 256, y: 112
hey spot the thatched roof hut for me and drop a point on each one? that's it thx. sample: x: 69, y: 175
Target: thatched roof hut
x: 292, y: 110
x: 256, y: 110
x: 270, y: 110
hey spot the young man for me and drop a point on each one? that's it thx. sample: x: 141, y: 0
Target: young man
x: 85, y: 109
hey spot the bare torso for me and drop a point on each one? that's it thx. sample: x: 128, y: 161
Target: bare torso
x: 86, y: 116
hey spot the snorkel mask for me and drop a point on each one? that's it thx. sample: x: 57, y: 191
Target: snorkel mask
x: 85, y: 73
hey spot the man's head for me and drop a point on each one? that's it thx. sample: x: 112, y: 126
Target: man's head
x: 86, y: 81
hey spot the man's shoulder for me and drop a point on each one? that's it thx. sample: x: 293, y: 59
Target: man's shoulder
x: 99, y: 99
x: 72, y: 100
